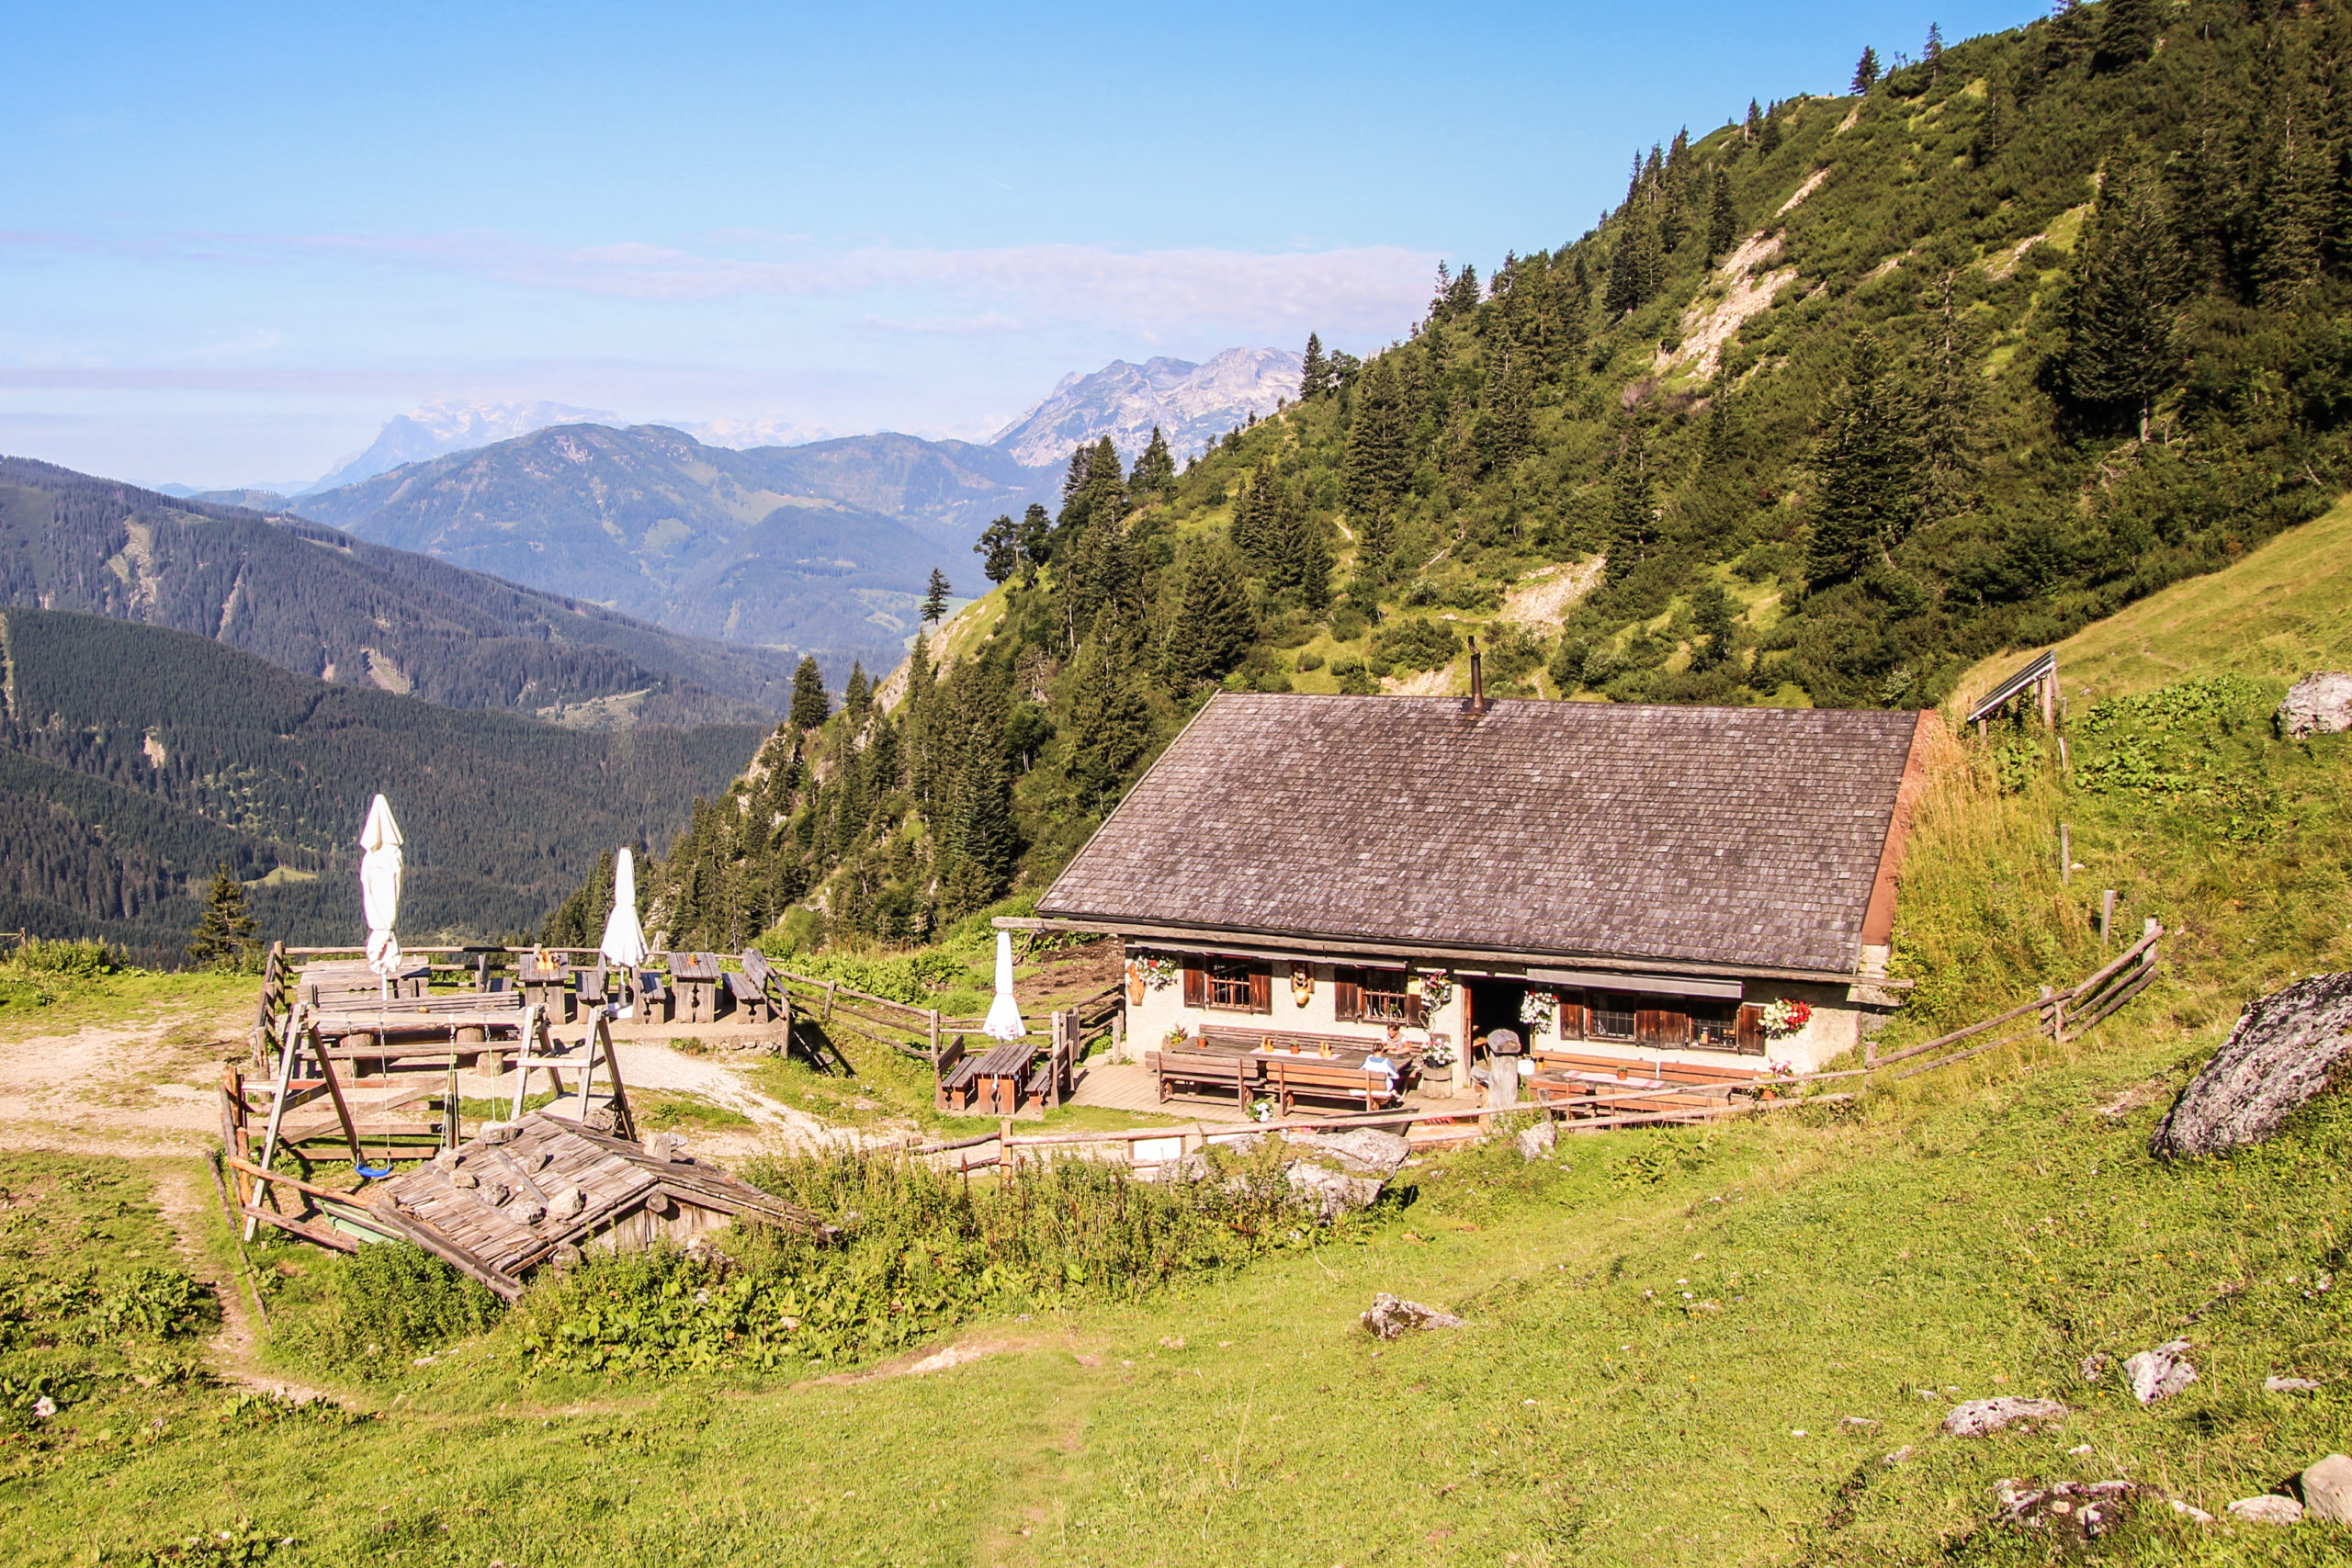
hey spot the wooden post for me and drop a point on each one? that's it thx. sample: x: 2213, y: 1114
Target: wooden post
x: 2106, y: 916
x: 2049, y: 684
x: 934, y: 1043
x: 1004, y: 1143
x: 1980, y: 730
x: 2049, y: 1020
x: 2065, y: 854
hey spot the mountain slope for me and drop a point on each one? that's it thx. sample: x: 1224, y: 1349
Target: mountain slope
x: 785, y: 546
x: 1844, y: 397
x: 319, y: 603
x: 1191, y: 404
x: 134, y: 759
x: 436, y: 428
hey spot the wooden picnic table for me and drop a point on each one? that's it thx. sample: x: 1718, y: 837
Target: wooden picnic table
x: 337, y: 980
x: 695, y: 976
x: 997, y: 1077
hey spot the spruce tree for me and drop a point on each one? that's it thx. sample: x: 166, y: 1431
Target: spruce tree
x: 2127, y: 35
x: 2119, y: 353
x: 1723, y: 220
x: 856, y: 697
x: 1155, y: 470
x: 1510, y: 413
x: 1931, y: 53
x: 1379, y: 441
x: 225, y: 935
x: 999, y: 549
x: 934, y: 597
x: 1035, y: 536
x: 1753, y: 126
x: 1866, y: 470
x: 2294, y: 213
x: 1632, y: 505
x: 1459, y: 445
x: 986, y: 839
x: 1768, y: 138
x: 1949, y: 407
x: 1866, y: 69
x: 810, y: 705
x: 1315, y: 372
x: 1109, y: 716
x: 1714, y: 622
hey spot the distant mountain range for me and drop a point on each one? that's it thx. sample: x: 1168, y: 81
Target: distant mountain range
x: 321, y: 604
x: 822, y: 547
x: 1191, y: 404
x: 134, y: 760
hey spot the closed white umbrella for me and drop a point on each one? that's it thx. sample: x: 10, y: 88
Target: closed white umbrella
x: 1004, y: 1013
x: 623, y: 939
x: 379, y: 886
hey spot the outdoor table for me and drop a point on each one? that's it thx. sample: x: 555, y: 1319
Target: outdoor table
x: 696, y: 977
x: 346, y: 979
x: 1562, y: 1088
x: 997, y: 1078
x: 546, y: 984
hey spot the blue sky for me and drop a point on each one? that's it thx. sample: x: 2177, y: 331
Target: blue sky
x: 235, y: 239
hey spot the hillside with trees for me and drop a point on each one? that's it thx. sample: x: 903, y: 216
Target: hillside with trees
x: 1845, y: 395
x: 136, y: 762
x: 317, y: 601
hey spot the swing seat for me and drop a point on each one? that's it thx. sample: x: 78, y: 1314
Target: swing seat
x: 373, y: 1172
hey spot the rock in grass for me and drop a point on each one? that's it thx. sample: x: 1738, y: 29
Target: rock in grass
x: 2161, y: 1373
x: 2287, y: 1047
x: 2084, y: 1510
x: 1359, y: 1151
x: 1536, y: 1141
x: 2288, y: 1385
x: 1980, y: 1417
x: 1392, y: 1315
x: 2327, y: 1490
x: 2268, y: 1510
x: 2318, y: 704
x: 2190, y: 1512
x: 2093, y: 1367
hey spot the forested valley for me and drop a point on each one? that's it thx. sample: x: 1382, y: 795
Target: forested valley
x: 1844, y: 395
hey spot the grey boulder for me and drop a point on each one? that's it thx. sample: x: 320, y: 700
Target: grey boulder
x: 1980, y: 1417
x: 2318, y: 704
x: 2268, y: 1510
x: 2084, y: 1509
x: 1538, y: 1141
x: 1392, y: 1315
x: 2159, y: 1374
x: 2327, y: 1490
x: 2288, y: 1385
x: 2286, y: 1048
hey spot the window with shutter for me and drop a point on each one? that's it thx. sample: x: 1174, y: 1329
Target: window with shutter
x: 1196, y: 985
x: 1572, y: 1015
x: 1347, y: 995
x: 1383, y: 999
x: 1237, y: 984
x: 1748, y: 1034
x: 1654, y: 1025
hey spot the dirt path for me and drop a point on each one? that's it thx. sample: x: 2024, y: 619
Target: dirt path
x: 134, y: 1090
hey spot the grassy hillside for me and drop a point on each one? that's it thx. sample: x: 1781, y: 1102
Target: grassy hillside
x: 1846, y: 396
x: 136, y: 760
x: 319, y: 603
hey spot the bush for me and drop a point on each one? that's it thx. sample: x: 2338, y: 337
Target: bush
x: 1311, y: 662
x: 1418, y: 644
x: 385, y: 1304
x: 921, y: 1249
x: 1347, y: 624
x: 82, y: 960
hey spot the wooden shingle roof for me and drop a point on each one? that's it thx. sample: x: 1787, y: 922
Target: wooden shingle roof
x: 1735, y: 836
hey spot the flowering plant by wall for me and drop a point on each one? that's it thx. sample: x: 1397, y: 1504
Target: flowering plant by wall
x: 1434, y: 986
x: 1158, y: 969
x: 1537, y: 1010
x: 1786, y: 1017
x: 1440, y: 1052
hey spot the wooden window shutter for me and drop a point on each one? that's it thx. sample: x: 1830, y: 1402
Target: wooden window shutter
x: 1572, y: 1019
x: 1196, y: 985
x: 1747, y: 1034
x: 1661, y: 1026
x: 1417, y: 1012
x: 1261, y: 988
x: 1347, y: 994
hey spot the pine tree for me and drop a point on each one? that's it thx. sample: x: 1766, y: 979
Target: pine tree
x: 856, y: 697
x: 2293, y: 213
x: 1213, y: 625
x: 810, y: 705
x: 225, y: 935
x: 1865, y: 467
x: 1109, y: 721
x: 1155, y: 470
x: 934, y: 597
x: 1315, y: 373
x: 1713, y: 619
x: 1753, y: 126
x: 1723, y: 220
x: 1379, y: 441
x: 1947, y: 413
x: 2119, y: 353
x: 1931, y: 53
x: 1633, y: 505
x: 999, y: 549
x: 1035, y: 536
x: 1510, y: 413
x: 2127, y: 35
x: 1459, y: 445
x: 1768, y: 138
x: 1866, y: 69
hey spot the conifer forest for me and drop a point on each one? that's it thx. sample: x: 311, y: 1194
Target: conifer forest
x: 1845, y: 394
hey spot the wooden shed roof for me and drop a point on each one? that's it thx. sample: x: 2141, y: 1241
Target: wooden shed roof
x: 489, y: 1226
x: 1730, y: 836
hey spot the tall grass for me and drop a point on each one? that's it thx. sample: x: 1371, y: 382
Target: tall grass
x: 919, y: 1249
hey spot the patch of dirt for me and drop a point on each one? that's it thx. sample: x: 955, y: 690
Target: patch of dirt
x: 1422, y: 683
x: 1543, y: 597
x: 648, y: 1065
x: 128, y: 1089
x: 1709, y: 329
x: 2002, y: 263
x: 1812, y: 183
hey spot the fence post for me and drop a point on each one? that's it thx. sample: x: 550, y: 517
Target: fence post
x: 2106, y: 917
x: 934, y: 1042
x: 2066, y: 855
x: 2053, y: 1023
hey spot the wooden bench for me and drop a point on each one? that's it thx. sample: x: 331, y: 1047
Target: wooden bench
x: 1170, y: 1068
x: 590, y: 986
x: 958, y: 1077
x: 1289, y: 1078
x: 762, y: 974
x: 751, y: 999
x: 654, y: 998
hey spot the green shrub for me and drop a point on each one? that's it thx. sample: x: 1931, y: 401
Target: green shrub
x: 1417, y: 644
x: 384, y: 1304
x: 919, y: 1249
x: 70, y: 959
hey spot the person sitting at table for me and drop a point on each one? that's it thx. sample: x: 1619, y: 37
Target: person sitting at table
x: 1379, y: 1062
